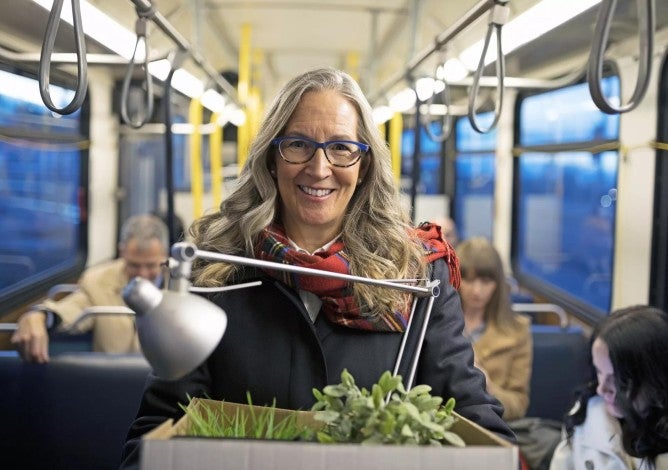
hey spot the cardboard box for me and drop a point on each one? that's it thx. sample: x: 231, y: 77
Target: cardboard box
x: 164, y: 449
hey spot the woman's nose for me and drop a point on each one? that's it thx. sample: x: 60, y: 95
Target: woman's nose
x: 603, y: 389
x: 319, y: 165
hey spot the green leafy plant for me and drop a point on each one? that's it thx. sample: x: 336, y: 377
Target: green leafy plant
x: 253, y: 422
x: 351, y: 414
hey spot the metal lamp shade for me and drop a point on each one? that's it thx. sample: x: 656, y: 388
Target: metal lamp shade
x: 177, y: 330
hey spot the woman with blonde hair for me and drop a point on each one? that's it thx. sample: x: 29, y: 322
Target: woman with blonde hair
x: 501, y: 338
x: 317, y: 191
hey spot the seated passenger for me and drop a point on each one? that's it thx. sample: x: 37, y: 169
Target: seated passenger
x: 620, y: 419
x: 143, y: 246
x: 501, y: 338
x: 449, y: 230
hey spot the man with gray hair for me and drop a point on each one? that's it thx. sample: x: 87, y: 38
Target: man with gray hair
x: 143, y: 246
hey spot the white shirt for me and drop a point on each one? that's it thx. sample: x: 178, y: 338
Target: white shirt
x: 595, y: 445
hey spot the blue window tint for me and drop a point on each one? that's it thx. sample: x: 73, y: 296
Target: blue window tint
x: 474, y: 180
x: 568, y: 115
x: 41, y: 164
x: 566, y: 222
x: 431, y: 160
x: 474, y: 195
x: 143, y: 171
x: 565, y: 206
x: 470, y: 140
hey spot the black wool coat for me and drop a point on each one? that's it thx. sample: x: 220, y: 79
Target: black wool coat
x: 272, y: 349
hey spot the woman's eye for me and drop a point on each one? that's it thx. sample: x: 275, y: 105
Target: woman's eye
x: 298, y: 144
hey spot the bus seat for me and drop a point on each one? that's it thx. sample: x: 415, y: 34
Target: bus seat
x: 72, y: 413
x: 561, y: 362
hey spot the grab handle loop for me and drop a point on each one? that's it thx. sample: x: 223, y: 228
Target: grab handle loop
x: 142, y: 35
x: 498, y: 17
x: 446, y: 128
x: 47, y: 50
x: 646, y: 24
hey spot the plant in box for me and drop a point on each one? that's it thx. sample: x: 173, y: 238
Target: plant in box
x: 411, y: 417
x: 252, y: 422
x: 348, y: 414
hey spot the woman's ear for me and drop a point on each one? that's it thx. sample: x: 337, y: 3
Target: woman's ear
x: 364, y: 169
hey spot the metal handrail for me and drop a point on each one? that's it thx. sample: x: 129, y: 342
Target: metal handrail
x: 443, y: 38
x: 145, y: 6
x: 646, y: 24
x: 543, y: 308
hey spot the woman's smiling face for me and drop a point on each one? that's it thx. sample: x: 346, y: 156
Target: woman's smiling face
x: 314, y: 195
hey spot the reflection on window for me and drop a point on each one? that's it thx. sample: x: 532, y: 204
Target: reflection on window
x: 474, y: 178
x: 41, y: 162
x: 568, y: 115
x: 431, y: 159
x: 565, y: 206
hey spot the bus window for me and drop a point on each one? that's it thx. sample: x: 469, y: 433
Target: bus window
x: 42, y: 187
x: 474, y: 178
x: 566, y: 180
x: 431, y: 159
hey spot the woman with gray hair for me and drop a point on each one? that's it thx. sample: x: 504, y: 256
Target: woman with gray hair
x: 317, y: 191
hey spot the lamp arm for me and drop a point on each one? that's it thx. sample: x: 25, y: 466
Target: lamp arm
x: 186, y: 252
x: 115, y: 311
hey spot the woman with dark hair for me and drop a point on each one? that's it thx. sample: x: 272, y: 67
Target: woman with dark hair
x: 620, y: 419
x: 501, y: 338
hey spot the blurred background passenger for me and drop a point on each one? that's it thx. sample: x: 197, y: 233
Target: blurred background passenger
x: 620, y: 418
x: 448, y: 229
x: 501, y: 338
x: 143, y: 247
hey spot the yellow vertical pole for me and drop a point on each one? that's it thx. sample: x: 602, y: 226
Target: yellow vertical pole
x: 216, y: 159
x: 396, y: 127
x: 196, y: 177
x: 243, y: 90
x: 353, y: 64
x: 382, y: 128
x: 255, y: 95
x: 252, y: 115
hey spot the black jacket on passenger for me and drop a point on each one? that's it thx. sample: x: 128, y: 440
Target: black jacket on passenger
x: 273, y: 349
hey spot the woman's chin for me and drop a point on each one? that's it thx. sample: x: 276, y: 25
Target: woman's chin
x: 612, y: 410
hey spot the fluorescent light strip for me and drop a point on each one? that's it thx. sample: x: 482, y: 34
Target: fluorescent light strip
x: 531, y: 24
x: 99, y: 26
x: 105, y: 30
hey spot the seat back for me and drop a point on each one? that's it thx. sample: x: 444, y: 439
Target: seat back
x: 561, y: 360
x: 560, y: 365
x: 72, y: 413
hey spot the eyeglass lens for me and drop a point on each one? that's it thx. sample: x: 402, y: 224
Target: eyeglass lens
x: 338, y: 153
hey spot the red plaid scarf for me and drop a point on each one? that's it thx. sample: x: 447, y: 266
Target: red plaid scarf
x: 339, y: 304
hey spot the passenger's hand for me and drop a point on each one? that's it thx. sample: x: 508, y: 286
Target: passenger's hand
x: 31, y: 338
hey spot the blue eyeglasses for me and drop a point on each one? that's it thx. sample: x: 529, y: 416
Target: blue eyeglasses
x: 341, y: 153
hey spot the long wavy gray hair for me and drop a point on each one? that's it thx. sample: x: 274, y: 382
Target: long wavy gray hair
x: 376, y: 228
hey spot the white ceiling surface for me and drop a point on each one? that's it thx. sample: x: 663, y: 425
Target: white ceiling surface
x: 291, y: 36
x: 288, y: 37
